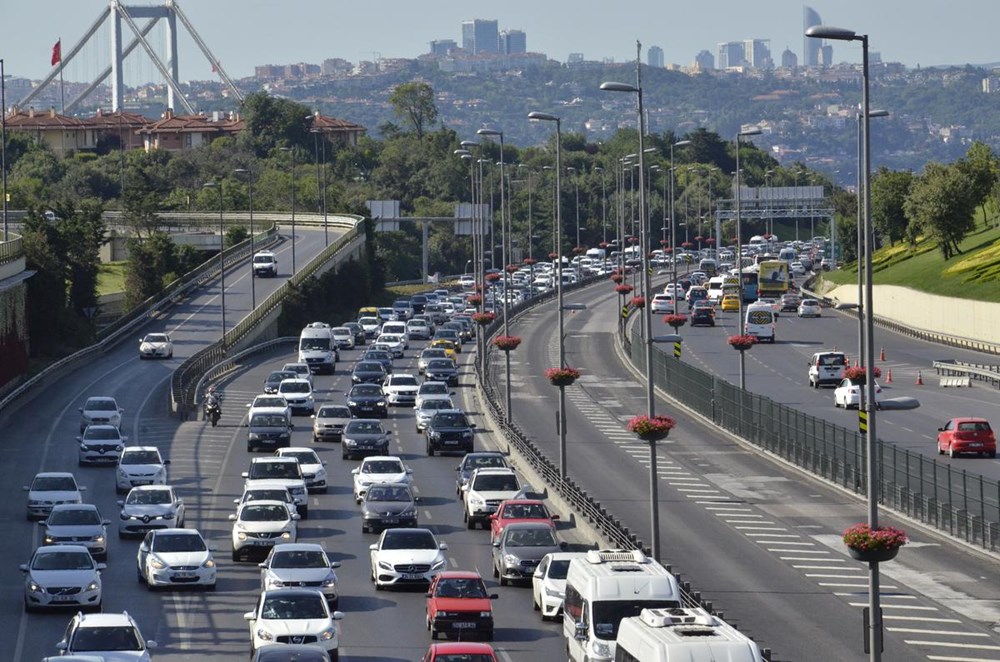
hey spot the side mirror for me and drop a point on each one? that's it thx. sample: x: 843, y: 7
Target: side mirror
x: 166, y: 462
x: 335, y: 564
x: 248, y: 405
x: 102, y: 566
x: 232, y: 518
x: 80, y: 439
x: 940, y: 429
x: 580, y: 631
x: 261, y: 565
x: 373, y: 547
x: 494, y: 596
x: 356, y: 470
x: 312, y: 416
x: 443, y: 546
x: 428, y: 594
x: 417, y: 499
x: 337, y: 615
x: 80, y: 409
x: 496, y: 543
x: 121, y: 504
x: 296, y: 516
x: 553, y: 517
x: 82, y: 488
x: 562, y: 544
x: 236, y: 501
x: 23, y: 567
x: 245, y: 474
x: 538, y: 574
x: 472, y: 425
x: 106, y: 522
x: 248, y: 616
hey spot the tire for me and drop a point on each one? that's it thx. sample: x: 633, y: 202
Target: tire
x: 430, y: 450
x: 940, y: 450
x: 28, y: 608
x: 952, y: 453
x: 139, y: 576
x: 236, y: 556
x: 991, y: 455
x: 534, y: 602
x: 335, y: 656
x: 496, y: 573
x: 469, y: 523
x: 122, y: 535
x: 304, y: 512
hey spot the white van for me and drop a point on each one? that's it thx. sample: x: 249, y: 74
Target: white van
x: 688, y: 635
x: 603, y: 588
x: 760, y: 322
x: 399, y: 329
x: 826, y: 368
x: 316, y: 348
x: 714, y: 287
x: 789, y: 255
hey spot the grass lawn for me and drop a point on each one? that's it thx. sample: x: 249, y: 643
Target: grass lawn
x: 973, y: 274
x: 111, y: 278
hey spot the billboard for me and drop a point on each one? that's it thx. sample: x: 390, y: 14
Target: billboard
x: 773, y: 277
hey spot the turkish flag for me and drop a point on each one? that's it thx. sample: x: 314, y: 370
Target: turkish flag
x: 57, y: 53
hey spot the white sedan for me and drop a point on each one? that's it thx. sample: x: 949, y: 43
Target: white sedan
x: 313, y: 468
x: 404, y: 557
x: 848, y: 394
x: 548, y: 583
x: 377, y: 469
x: 662, y: 304
x: 175, y: 557
x: 269, y: 404
x: 395, y: 343
x: 810, y: 308
x: 156, y: 345
x: 400, y: 389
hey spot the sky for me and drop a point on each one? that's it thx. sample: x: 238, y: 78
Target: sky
x: 245, y: 33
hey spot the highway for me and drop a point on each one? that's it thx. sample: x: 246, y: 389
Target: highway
x: 760, y: 540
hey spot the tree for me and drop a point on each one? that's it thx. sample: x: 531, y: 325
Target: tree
x: 889, y: 191
x: 980, y: 166
x: 272, y: 122
x: 941, y: 205
x: 414, y: 103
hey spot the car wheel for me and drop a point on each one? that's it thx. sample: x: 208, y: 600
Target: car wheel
x: 335, y: 656
x: 304, y: 512
x: 952, y: 453
x: 28, y: 608
x: 534, y: 602
x: 236, y: 556
x: 496, y: 573
x: 469, y: 523
x: 139, y: 576
x: 343, y: 455
x: 991, y: 454
x: 430, y: 450
x: 940, y: 450
x: 122, y: 535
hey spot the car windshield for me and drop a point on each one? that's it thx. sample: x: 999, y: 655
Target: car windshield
x: 440, y: 364
x: 403, y: 539
x: 608, y: 614
x: 274, y: 494
x: 119, y: 638
x: 264, y: 513
x: 449, y: 420
x: 293, y: 607
x: 436, y: 404
x: 378, y: 355
x: 334, y: 412
x: 63, y: 561
x: 368, y: 366
x: 342, y: 332
x: 304, y: 457
x: 368, y: 321
x: 477, y: 461
x: 263, y: 259
x: 74, y: 517
x: 449, y: 334
x: 298, y: 369
x: 502, y: 483
x: 558, y: 569
x: 100, y: 405
x: 388, y: 493
x: 276, y: 470
x: 300, y: 558
x: 433, y: 353
x: 155, y: 337
x: 53, y: 484
x: 314, y: 343
x: 178, y: 542
x: 364, y: 427
x: 270, y: 402
x: 268, y: 421
x: 432, y: 388
x: 95, y: 433
x: 382, y: 467
x: 279, y: 376
x: 530, y: 538
x: 367, y: 389
x: 294, y: 387
x: 833, y: 359
x: 141, y: 457
x: 525, y: 511
x: 390, y: 338
x: 460, y: 588
x: 148, y: 497
x: 404, y: 380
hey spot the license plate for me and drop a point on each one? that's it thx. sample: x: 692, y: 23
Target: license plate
x: 142, y: 482
x: 976, y: 444
x: 184, y: 575
x: 450, y: 442
x: 62, y: 598
x: 390, y: 520
x: 410, y: 575
x: 464, y: 626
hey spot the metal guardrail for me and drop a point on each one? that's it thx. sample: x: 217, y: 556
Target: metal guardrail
x: 11, y: 249
x: 977, y: 371
x: 185, y: 378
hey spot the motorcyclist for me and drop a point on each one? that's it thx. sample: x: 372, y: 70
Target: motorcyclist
x: 213, y: 405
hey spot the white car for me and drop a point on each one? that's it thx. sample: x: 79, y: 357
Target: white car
x: 265, y: 264
x: 300, y: 564
x: 140, y: 465
x: 100, y: 444
x: 427, y: 354
x: 313, y: 468
x: 301, y: 369
x: 108, y: 637
x: 175, y: 557
x: 376, y: 469
x: 810, y: 308
x: 663, y: 303
x: 269, y: 404
x: 406, y: 557
x: 49, y: 489
x: 432, y: 391
x: 283, y: 471
x: 427, y: 410
x: 467, y: 281
x: 98, y: 410
x: 848, y: 394
x: 264, y: 490
x: 156, y: 345
x: 293, y: 615
x: 329, y: 422
x: 150, y: 507
x: 548, y: 583
x: 62, y: 576
x: 371, y: 326
x: 484, y: 492
x: 395, y: 343
x: 418, y: 329
x: 343, y: 337
x: 259, y: 525
x: 78, y: 524
x: 299, y: 394
x: 797, y: 269
x: 400, y: 389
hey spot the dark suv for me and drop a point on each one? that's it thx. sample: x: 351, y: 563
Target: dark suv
x: 449, y: 430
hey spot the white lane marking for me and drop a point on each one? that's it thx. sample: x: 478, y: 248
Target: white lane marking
x: 884, y: 606
x: 772, y: 535
x: 953, y: 633
x: 808, y: 558
x: 951, y: 644
x: 888, y: 617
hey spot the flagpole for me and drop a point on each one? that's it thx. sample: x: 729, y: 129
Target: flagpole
x: 3, y: 145
x: 62, y: 90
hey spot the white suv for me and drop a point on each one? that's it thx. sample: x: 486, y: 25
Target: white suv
x: 259, y: 525
x: 100, y: 410
x: 114, y: 635
x: 400, y: 389
x: 485, y: 490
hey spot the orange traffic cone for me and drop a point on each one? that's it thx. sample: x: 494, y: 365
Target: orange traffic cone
x: 888, y: 376
x: 920, y: 379
x: 881, y: 354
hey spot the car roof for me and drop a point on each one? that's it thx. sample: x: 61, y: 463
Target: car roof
x: 54, y: 474
x: 106, y: 619
x: 51, y: 549
x: 372, y: 458
x: 461, y: 647
x: 969, y: 419
x: 459, y: 574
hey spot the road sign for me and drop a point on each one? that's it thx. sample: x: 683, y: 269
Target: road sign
x: 626, y: 311
x: 677, y: 350
x: 862, y: 421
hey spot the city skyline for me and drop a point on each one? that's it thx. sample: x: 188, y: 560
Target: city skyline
x: 244, y: 34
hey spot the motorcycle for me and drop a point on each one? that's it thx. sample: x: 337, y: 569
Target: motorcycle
x: 213, y: 409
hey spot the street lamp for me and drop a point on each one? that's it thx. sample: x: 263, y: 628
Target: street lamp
x: 576, y: 183
x: 646, y: 311
x: 321, y: 199
x: 222, y: 258
x: 291, y: 167
x: 874, y: 624
x: 753, y: 131
x: 253, y: 289
x: 770, y: 205
x: 673, y: 221
x: 548, y: 117
x: 3, y: 146
x: 604, y: 206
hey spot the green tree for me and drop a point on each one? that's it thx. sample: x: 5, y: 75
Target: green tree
x: 980, y: 166
x: 889, y: 191
x: 941, y: 205
x: 414, y: 103
x: 143, y: 273
x: 273, y: 122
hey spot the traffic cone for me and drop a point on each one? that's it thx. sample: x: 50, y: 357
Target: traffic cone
x: 881, y: 354
x: 888, y: 376
x: 920, y: 379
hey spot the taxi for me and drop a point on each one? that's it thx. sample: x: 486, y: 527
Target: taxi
x: 730, y: 303
x: 448, y: 345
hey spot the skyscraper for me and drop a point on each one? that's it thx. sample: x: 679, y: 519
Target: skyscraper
x: 789, y: 59
x: 731, y: 54
x: 757, y: 53
x: 655, y: 57
x: 480, y: 36
x: 810, y: 46
x: 704, y: 61
x: 513, y: 42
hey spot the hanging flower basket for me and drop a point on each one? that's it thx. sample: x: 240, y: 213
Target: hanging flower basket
x: 676, y: 321
x: 617, y: 278
x: 874, y: 545
x: 624, y: 289
x: 664, y: 242
x: 553, y: 256
x: 668, y: 250
x: 604, y: 244
x: 474, y: 300
x: 699, y: 239
x: 742, y: 343
x: 652, y: 428
x: 506, y: 343
x: 710, y: 241
x: 687, y: 244
x: 562, y: 376
x: 633, y: 240
x: 857, y: 373
x: 493, y: 277
x: 528, y: 261
x: 512, y: 268
x: 483, y: 319
x: 638, y: 302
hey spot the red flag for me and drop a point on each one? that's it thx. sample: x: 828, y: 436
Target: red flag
x: 57, y: 53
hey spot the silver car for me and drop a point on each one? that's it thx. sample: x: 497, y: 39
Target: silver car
x: 427, y: 410
x: 49, y: 489
x: 300, y: 565
x: 329, y: 422
x: 78, y: 524
x: 62, y: 576
x: 150, y: 507
x: 100, y: 444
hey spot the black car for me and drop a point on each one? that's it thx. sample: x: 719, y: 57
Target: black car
x: 275, y: 378
x: 388, y: 505
x: 441, y: 370
x: 358, y: 331
x: 464, y: 334
x: 368, y: 372
x: 382, y: 356
x: 473, y: 461
x: 367, y: 401
x: 364, y: 437
x: 702, y: 317
x: 449, y: 430
x: 418, y: 301
x: 268, y: 431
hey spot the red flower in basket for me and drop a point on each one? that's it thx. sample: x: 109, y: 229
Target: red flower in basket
x: 493, y: 277
x: 651, y: 428
x: 676, y: 321
x: 553, y: 256
x: 638, y: 302
x: 668, y: 249
x: 512, y: 268
x: 624, y: 289
x: 474, y: 300
x: 633, y: 240
x: 579, y: 250
x: 742, y: 343
x: 483, y: 319
x: 506, y: 343
x: 687, y: 244
x: 699, y: 238
x: 562, y: 376
x: 857, y: 373
x: 880, y: 544
x: 710, y: 240
x: 528, y: 261
x: 664, y: 242
x: 617, y: 278
x: 604, y: 244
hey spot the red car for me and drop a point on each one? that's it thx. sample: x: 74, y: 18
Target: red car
x: 458, y: 604
x: 967, y: 435
x: 519, y: 510
x: 459, y: 652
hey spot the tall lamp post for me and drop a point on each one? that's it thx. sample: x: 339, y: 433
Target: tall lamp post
x: 753, y: 131
x: 319, y: 145
x: 531, y: 238
x: 874, y: 624
x: 646, y: 314
x: 291, y: 167
x: 604, y: 206
x: 3, y: 145
x: 222, y: 258
x: 253, y: 288
x: 673, y: 221
x: 548, y: 117
x: 576, y: 207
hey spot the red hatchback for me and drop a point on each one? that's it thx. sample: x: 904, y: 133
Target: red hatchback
x: 967, y: 435
x: 519, y: 510
x: 459, y: 652
x: 458, y: 605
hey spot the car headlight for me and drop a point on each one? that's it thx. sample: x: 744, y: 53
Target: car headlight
x: 241, y: 535
x: 327, y: 634
x: 286, y: 535
x: 156, y: 563
x: 467, y: 434
x: 553, y: 593
x: 33, y: 587
x: 380, y: 403
x: 49, y: 538
x: 440, y: 563
x: 350, y: 442
x: 476, y: 500
x: 329, y: 581
x: 352, y: 403
x: 84, y: 447
x: 124, y: 516
x: 384, y: 566
x: 409, y: 512
x: 254, y: 436
x: 511, y: 559
x: 486, y: 614
x: 264, y: 635
x: 92, y: 586
x: 601, y: 648
x: 122, y: 473
x: 98, y: 538
x: 435, y: 435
